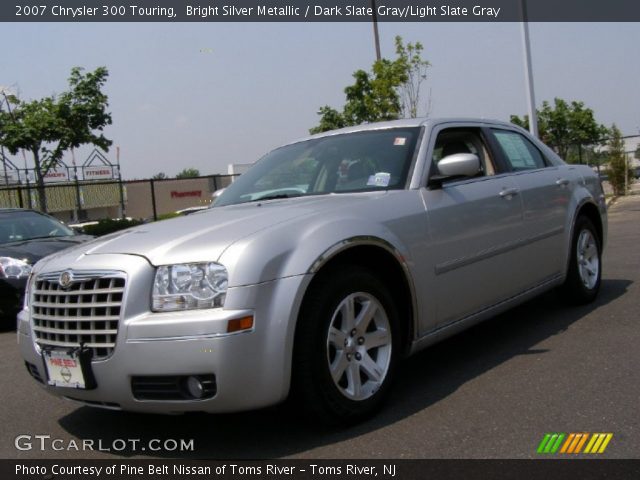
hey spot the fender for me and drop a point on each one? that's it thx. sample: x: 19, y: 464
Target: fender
x: 582, y: 196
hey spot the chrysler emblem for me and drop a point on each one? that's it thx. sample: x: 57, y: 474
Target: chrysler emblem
x: 66, y: 278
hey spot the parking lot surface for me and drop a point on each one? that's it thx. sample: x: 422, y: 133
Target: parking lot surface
x: 491, y: 392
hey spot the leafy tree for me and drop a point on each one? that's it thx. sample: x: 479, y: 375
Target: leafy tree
x: 416, y: 71
x: 618, y: 163
x: 159, y: 176
x: 188, y: 173
x: 564, y: 126
x: 391, y: 89
x: 50, y: 126
x: 330, y: 119
x: 637, y: 153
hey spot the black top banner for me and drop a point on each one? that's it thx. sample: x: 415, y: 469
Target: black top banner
x: 320, y: 11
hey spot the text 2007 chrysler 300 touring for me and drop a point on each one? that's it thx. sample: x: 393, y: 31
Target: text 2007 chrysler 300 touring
x: 316, y: 272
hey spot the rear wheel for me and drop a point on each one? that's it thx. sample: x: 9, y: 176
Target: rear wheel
x: 347, y: 344
x: 585, y: 263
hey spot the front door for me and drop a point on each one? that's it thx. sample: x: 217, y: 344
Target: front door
x: 474, y: 226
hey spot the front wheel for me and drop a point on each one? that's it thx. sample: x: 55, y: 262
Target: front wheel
x: 585, y: 263
x: 347, y: 344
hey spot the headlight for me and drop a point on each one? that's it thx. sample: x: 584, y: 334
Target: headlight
x: 188, y: 286
x: 14, y: 268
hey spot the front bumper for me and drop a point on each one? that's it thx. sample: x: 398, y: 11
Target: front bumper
x: 252, y: 368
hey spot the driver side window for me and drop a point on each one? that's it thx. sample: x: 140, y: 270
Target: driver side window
x: 464, y: 140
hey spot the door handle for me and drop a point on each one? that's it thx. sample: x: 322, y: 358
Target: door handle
x: 509, y: 192
x: 562, y: 182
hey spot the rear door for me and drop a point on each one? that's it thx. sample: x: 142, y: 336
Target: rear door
x: 545, y: 190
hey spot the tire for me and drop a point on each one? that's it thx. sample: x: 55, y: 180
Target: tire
x: 585, y: 263
x: 346, y: 346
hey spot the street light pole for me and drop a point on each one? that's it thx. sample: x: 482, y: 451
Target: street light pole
x: 533, y: 119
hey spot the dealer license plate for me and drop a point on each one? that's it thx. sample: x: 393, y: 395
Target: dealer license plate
x: 64, y: 369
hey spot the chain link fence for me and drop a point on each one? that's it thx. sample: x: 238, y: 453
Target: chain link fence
x: 80, y: 201
x: 597, y: 157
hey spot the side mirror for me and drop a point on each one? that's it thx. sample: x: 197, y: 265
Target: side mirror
x: 458, y: 165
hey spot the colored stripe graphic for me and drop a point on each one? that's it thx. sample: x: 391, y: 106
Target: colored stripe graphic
x: 573, y: 443
x: 583, y: 439
x: 543, y: 443
x: 598, y: 442
x: 555, y: 447
x: 594, y: 437
x: 568, y: 442
x: 551, y: 442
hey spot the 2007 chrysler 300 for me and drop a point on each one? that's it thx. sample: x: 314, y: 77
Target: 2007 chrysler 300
x: 316, y: 272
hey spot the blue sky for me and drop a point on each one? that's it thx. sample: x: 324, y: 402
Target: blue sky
x: 205, y: 95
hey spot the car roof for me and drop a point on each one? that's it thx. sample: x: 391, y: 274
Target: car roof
x: 405, y: 122
x: 13, y: 210
x: 16, y: 211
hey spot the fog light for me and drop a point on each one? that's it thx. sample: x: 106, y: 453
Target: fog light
x: 195, y: 387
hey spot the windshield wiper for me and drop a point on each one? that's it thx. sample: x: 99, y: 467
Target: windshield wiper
x: 276, y: 196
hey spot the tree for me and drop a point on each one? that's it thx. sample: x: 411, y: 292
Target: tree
x: 416, y: 72
x: 188, y: 173
x: 566, y: 126
x: 50, y: 126
x: 618, y: 163
x: 159, y: 176
x: 391, y: 89
x: 637, y: 153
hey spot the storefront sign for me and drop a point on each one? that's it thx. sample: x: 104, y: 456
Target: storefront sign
x: 56, y: 175
x: 191, y: 193
x: 98, y: 172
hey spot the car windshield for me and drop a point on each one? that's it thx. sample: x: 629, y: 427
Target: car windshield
x: 351, y: 162
x: 27, y: 225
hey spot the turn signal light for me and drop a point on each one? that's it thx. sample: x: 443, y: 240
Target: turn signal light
x: 238, y: 324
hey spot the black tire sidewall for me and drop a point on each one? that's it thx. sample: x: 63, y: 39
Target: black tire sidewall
x: 311, y: 369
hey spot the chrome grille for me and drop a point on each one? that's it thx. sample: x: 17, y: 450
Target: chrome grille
x: 86, y: 312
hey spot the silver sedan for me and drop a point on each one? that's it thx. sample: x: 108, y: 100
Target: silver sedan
x: 316, y: 272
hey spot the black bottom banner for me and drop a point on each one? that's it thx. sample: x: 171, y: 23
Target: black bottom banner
x: 543, y: 469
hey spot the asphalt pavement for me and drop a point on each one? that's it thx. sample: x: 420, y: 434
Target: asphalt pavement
x: 491, y: 392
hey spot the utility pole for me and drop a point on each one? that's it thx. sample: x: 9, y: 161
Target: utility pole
x: 533, y: 119
x: 123, y: 213
x: 4, y: 162
x: 376, y: 37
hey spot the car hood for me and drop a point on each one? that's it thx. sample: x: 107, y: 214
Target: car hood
x: 204, y: 236
x: 37, y: 248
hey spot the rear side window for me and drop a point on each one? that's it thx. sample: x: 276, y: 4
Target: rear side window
x: 519, y: 152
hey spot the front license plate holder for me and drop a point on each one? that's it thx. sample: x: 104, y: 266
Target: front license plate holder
x: 69, y: 368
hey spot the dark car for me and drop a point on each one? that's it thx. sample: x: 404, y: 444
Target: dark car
x: 26, y: 236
